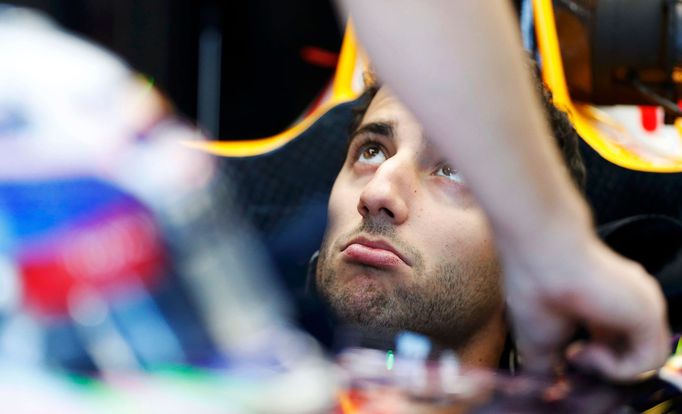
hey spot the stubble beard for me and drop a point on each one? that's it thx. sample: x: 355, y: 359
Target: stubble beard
x: 448, y: 303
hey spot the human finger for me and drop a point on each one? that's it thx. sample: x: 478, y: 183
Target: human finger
x: 623, y: 363
x: 540, y: 339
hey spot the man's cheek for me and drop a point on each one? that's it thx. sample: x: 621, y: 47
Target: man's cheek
x: 332, y: 218
x: 339, y: 222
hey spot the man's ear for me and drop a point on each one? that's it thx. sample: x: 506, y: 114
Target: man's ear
x: 311, y: 278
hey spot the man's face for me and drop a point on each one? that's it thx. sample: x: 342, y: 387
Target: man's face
x: 407, y: 247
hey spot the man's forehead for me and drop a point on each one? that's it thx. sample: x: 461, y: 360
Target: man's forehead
x: 387, y: 106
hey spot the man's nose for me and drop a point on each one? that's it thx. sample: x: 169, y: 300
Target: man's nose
x: 387, y: 192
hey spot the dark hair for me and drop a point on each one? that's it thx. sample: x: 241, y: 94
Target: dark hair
x: 562, y: 129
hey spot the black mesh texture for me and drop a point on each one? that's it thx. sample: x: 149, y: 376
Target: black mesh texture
x: 616, y: 193
x: 275, y: 187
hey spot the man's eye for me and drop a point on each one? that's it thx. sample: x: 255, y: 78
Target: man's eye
x: 371, y: 154
x: 449, y: 173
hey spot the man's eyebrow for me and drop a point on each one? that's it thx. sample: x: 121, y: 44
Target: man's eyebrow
x: 377, y: 128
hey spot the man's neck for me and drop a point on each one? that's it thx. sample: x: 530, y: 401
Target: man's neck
x: 485, y: 347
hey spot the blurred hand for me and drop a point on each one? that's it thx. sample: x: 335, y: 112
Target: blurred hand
x: 614, y: 299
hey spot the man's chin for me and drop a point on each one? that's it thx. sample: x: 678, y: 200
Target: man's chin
x: 363, y: 301
x: 358, y: 295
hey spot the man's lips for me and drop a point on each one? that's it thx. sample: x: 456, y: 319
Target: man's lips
x: 374, y: 253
